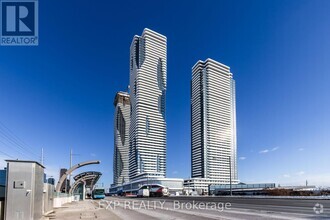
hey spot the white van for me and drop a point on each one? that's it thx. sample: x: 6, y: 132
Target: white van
x: 153, y: 190
x: 143, y: 192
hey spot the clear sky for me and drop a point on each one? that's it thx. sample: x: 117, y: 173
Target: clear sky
x: 59, y: 95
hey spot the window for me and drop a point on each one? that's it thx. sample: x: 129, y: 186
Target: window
x: 147, y: 125
x: 134, y: 89
x: 158, y: 163
x: 131, y: 63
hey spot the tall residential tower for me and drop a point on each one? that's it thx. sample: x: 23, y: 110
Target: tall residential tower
x: 121, y: 138
x: 147, y: 156
x: 213, y: 123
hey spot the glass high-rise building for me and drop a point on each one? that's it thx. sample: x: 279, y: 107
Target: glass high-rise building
x: 213, y: 122
x: 147, y: 156
x: 121, y: 138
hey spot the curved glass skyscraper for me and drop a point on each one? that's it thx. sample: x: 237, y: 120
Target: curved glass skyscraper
x: 121, y: 138
x: 147, y: 155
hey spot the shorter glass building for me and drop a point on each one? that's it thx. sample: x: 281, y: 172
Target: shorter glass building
x: 200, y: 185
x: 240, y: 189
x: 174, y: 185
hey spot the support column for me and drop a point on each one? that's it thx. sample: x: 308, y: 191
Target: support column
x: 84, y: 191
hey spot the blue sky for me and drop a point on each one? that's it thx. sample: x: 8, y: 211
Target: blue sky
x: 60, y: 94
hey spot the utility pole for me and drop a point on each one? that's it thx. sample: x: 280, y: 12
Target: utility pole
x: 71, y: 155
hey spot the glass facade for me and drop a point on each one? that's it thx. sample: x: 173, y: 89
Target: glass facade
x: 172, y: 184
x: 240, y: 189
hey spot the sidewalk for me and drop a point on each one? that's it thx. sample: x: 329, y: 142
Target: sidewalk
x: 87, y: 209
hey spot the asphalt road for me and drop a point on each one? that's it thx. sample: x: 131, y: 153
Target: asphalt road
x: 303, y: 206
x: 216, y: 208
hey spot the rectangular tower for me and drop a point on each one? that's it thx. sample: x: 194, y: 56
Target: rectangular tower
x: 147, y: 92
x: 66, y: 184
x: 121, y: 138
x: 213, y: 122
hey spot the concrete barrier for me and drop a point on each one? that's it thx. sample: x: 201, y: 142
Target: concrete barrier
x: 60, y: 199
x: 76, y: 198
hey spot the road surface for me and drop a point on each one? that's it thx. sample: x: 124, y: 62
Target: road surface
x: 199, y: 208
